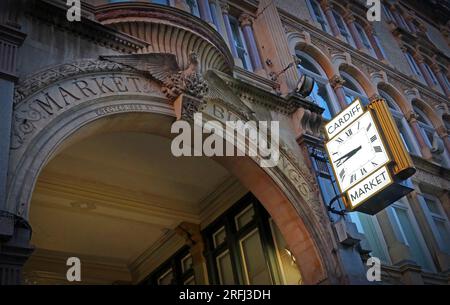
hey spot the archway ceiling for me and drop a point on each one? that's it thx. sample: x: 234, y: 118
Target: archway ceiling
x: 114, y: 195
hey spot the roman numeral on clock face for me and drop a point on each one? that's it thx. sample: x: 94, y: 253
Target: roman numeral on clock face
x: 349, y: 133
x: 368, y: 127
x: 363, y: 171
x: 352, y: 178
x: 378, y: 149
x: 342, y: 174
x: 373, y: 139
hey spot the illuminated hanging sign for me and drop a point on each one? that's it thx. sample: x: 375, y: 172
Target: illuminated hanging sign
x: 368, y: 158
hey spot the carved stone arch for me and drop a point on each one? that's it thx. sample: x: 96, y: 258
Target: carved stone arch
x: 45, y: 123
x: 401, y: 101
x: 360, y: 77
x: 300, y: 42
x: 431, y: 114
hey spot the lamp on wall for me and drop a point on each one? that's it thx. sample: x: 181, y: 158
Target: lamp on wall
x: 305, y: 85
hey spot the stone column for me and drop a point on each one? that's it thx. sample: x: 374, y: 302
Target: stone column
x: 246, y: 24
x: 205, y: 11
x: 441, y: 78
x: 442, y: 133
x: 421, y: 63
x: 350, y: 21
x: 224, y: 7
x: 411, y: 117
x: 337, y: 83
x: 327, y: 9
x: 371, y: 35
x: 15, y: 235
x: 192, y: 234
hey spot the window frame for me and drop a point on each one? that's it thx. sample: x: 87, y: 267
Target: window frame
x: 321, y: 19
x: 430, y: 216
x: 321, y: 78
x: 399, y: 231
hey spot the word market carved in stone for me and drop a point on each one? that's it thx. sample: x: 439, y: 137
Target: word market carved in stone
x: 44, y: 105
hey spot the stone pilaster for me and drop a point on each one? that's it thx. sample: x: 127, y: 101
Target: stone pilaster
x: 192, y: 234
x: 10, y: 40
x: 15, y: 235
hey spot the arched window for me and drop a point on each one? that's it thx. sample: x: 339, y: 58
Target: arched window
x: 426, y: 127
x: 317, y: 15
x: 433, y: 77
x: 414, y: 67
x: 352, y: 89
x: 343, y: 29
x: 402, y: 124
x: 322, y: 92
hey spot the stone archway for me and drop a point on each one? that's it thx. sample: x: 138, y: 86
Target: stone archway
x: 51, y: 106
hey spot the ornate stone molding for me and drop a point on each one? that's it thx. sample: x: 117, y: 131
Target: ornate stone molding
x: 43, y: 78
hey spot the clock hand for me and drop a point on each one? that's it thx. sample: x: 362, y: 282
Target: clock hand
x: 348, y: 155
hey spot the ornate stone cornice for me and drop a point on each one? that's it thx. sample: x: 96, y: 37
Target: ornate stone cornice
x: 90, y: 29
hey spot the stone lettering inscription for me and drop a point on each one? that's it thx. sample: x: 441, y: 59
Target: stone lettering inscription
x: 33, y: 113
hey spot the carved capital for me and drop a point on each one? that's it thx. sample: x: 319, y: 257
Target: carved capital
x: 246, y: 20
x: 411, y: 117
x: 337, y: 81
x: 225, y: 7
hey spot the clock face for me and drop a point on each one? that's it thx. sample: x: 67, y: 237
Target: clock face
x: 357, y: 152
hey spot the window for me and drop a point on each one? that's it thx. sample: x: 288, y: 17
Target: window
x: 426, y: 127
x: 380, y: 45
x: 322, y: 92
x: 388, y: 13
x: 438, y: 221
x: 317, y: 14
x: 343, y: 28
x: 407, y: 232
x: 402, y: 124
x: 240, y: 43
x: 352, y: 89
x: 365, y: 39
x: 433, y: 77
x: 193, y: 6
x: 215, y: 15
x: 177, y: 270
x: 413, y: 65
x: 162, y: 2
x: 243, y: 246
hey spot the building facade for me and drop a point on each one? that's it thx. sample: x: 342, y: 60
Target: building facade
x: 86, y: 168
